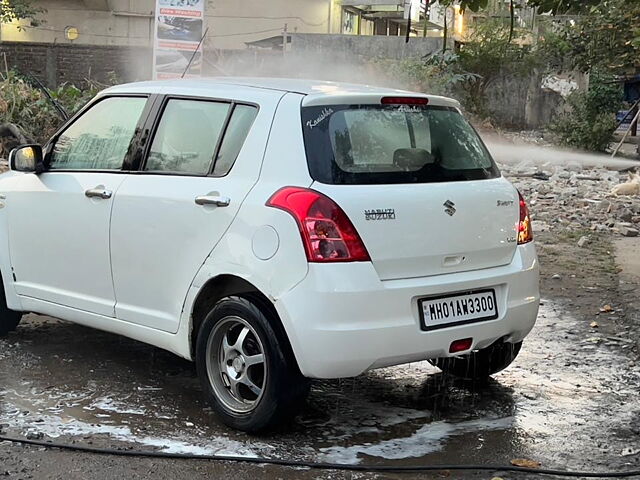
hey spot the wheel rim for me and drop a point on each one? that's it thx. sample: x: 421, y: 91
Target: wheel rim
x: 236, y: 364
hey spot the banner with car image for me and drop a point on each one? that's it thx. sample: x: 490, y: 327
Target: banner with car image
x: 178, y: 31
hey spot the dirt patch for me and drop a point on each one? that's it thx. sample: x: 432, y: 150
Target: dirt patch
x: 583, y: 279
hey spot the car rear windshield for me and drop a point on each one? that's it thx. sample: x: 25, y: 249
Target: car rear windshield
x: 377, y: 144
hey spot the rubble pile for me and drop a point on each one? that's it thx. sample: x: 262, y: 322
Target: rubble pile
x: 572, y: 198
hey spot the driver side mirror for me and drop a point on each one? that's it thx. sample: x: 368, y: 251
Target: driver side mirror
x: 26, y: 158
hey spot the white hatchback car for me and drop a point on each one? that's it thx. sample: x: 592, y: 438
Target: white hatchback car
x: 273, y: 231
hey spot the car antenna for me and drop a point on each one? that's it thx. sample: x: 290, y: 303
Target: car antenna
x: 61, y: 111
x: 194, y: 53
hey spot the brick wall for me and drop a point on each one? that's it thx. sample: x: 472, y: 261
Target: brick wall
x: 55, y: 64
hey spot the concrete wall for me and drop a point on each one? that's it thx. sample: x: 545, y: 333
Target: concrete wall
x: 513, y: 102
x: 55, y: 64
x: 347, y: 48
x: 525, y: 103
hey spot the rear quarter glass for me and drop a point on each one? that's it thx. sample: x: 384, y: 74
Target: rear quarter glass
x: 387, y: 144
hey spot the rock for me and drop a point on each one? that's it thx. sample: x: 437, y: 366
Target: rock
x: 583, y: 241
x: 556, y: 276
x: 539, y: 226
x: 620, y: 225
x: 625, y: 215
x: 525, y: 463
x: 628, y: 232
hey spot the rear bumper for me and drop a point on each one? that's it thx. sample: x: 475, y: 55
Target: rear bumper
x: 342, y: 320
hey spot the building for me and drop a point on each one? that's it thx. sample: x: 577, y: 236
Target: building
x: 460, y: 24
x: 232, y: 23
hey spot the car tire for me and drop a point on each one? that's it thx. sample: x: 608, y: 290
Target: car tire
x: 252, y: 383
x: 480, y: 364
x: 9, y: 319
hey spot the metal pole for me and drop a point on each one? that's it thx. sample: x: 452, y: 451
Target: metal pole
x: 624, y: 137
x: 426, y: 18
x: 406, y: 40
x: 285, y: 39
x: 628, y: 113
x: 444, y: 36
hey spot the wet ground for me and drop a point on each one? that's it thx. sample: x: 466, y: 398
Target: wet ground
x: 569, y: 401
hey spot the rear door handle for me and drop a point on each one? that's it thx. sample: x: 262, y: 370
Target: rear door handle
x: 216, y: 200
x: 99, y: 192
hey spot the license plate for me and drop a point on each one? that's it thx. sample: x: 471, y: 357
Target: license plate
x: 457, y: 309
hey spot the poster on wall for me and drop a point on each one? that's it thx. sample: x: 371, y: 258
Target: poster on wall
x: 178, y: 31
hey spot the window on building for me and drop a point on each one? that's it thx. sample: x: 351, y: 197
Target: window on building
x: 350, y: 22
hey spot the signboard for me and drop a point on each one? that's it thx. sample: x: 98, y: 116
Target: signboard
x: 178, y: 31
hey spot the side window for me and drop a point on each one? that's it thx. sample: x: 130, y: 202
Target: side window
x: 241, y: 120
x: 187, y: 136
x: 100, y: 138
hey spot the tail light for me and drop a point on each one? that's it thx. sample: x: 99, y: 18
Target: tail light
x: 327, y: 233
x: 525, y: 233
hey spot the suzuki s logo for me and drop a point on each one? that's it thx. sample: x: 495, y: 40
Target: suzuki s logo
x: 449, y: 207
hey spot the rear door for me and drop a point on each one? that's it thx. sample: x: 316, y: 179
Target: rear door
x: 418, y: 185
x: 203, y: 158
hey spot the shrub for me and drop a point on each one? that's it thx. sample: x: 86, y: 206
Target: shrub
x: 491, y: 53
x: 28, y: 107
x: 437, y: 74
x: 590, y: 123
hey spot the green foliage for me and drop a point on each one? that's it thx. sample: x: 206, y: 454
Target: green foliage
x: 28, y: 107
x: 473, y: 5
x: 486, y: 56
x: 11, y: 10
x: 437, y: 74
x: 562, y: 7
x: 489, y: 54
x: 591, y: 122
x: 605, y: 37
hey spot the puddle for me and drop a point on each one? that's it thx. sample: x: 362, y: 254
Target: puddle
x: 567, y: 401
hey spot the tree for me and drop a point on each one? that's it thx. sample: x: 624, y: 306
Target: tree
x: 605, y: 37
x: 473, y: 5
x: 11, y: 10
x: 591, y: 122
x: 489, y: 54
x: 563, y: 7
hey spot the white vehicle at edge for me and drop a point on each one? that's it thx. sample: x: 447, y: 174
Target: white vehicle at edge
x: 272, y: 231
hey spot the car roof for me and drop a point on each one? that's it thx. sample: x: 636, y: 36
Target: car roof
x: 316, y: 92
